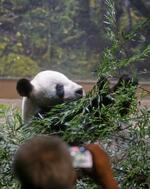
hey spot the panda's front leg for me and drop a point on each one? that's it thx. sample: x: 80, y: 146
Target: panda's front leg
x: 29, y: 109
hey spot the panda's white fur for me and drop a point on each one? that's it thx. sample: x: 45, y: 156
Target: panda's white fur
x: 47, y: 89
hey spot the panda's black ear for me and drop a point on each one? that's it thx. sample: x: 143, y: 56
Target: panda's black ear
x: 24, y: 87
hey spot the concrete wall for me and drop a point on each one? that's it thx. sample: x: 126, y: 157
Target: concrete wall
x: 8, y: 88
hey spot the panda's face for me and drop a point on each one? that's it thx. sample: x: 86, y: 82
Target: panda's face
x: 49, y: 88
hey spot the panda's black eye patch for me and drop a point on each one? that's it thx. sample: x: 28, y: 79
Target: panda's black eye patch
x: 60, y: 90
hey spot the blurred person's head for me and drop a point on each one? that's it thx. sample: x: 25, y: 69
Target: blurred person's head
x: 44, y: 162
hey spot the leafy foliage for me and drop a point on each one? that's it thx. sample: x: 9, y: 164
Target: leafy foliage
x: 125, y: 138
x: 60, y: 34
x: 17, y: 65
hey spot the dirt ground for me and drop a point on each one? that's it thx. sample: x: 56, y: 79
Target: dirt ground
x: 11, y: 102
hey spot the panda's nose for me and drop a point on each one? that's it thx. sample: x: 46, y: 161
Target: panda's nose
x: 79, y: 92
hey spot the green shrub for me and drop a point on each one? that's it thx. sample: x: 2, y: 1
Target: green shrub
x: 17, y: 65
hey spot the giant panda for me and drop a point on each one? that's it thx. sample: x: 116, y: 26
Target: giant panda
x: 47, y: 89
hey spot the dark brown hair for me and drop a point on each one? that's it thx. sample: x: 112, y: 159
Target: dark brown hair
x: 44, y: 162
